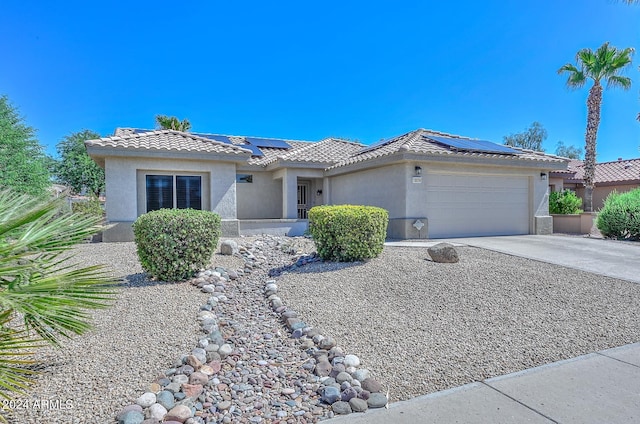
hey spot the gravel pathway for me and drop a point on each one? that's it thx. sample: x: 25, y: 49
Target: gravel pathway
x: 424, y: 327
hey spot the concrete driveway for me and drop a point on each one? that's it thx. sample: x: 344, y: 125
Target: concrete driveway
x: 605, y: 257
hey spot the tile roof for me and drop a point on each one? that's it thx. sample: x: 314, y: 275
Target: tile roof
x: 415, y: 142
x: 328, y: 152
x: 166, y: 140
x: 607, y: 172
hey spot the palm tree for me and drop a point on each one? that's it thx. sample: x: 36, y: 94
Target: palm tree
x: 43, y: 296
x: 172, y: 123
x: 603, y: 65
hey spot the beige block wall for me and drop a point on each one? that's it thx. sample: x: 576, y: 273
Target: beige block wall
x: 600, y: 193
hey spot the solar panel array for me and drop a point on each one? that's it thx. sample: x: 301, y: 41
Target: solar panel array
x: 473, y: 145
x: 268, y: 142
x: 374, y: 145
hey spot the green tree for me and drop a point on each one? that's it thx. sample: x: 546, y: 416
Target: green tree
x: 23, y: 163
x: 530, y: 139
x: 44, y: 296
x: 603, y: 65
x: 75, y: 167
x: 172, y: 123
x: 571, y: 151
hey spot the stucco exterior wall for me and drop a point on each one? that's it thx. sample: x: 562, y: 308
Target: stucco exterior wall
x: 123, y: 189
x: 600, y: 193
x: 261, y: 199
x: 384, y: 187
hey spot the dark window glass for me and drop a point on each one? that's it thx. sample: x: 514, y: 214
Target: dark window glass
x: 188, y: 192
x: 244, y: 178
x: 159, y: 192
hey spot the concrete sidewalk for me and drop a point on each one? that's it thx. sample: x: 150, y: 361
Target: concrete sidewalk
x: 602, y: 387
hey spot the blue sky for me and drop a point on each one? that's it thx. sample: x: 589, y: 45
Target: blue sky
x: 309, y: 70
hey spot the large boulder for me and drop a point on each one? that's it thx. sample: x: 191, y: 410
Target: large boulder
x: 443, y: 253
x: 228, y: 247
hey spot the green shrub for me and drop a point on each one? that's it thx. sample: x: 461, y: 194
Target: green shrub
x: 564, y: 202
x: 173, y: 244
x: 348, y: 233
x: 619, y: 218
x: 91, y: 207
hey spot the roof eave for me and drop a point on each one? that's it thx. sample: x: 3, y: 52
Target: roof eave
x: 99, y: 152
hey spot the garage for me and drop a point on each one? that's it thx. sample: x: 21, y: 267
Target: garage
x: 466, y: 205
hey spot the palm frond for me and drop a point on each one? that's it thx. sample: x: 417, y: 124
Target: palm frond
x: 619, y: 81
x: 14, y: 376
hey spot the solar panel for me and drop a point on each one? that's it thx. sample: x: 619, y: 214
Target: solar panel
x: 268, y: 142
x: 374, y: 145
x: 473, y: 145
x: 255, y: 151
x: 219, y: 138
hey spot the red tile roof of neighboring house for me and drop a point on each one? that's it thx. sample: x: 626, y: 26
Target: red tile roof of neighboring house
x: 620, y: 171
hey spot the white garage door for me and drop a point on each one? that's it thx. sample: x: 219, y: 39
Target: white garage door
x: 476, y: 205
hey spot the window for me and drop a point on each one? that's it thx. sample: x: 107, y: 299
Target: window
x: 161, y: 192
x: 244, y: 178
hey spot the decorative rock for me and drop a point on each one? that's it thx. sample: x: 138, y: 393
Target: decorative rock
x: 377, y: 400
x: 341, y: 408
x: 157, y: 412
x: 180, y: 379
x: 192, y: 390
x: 371, y: 385
x: 225, y: 350
x: 131, y: 417
x: 323, y: 368
x: 179, y: 413
x: 223, y: 406
x: 146, y: 400
x: 165, y: 398
x: 351, y: 361
x: 443, y: 253
x: 128, y: 408
x: 198, y: 378
x: 154, y: 388
x: 361, y: 374
x: 348, y: 394
x: 330, y: 394
x: 342, y: 377
x: 326, y: 343
x: 228, y: 247
x: 358, y: 405
x: 194, y: 362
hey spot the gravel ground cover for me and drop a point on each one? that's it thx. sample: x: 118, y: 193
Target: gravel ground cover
x: 417, y: 325
x: 95, y: 374
x: 424, y: 327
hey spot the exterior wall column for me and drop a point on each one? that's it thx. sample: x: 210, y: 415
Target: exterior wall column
x: 289, y: 195
x: 326, y: 191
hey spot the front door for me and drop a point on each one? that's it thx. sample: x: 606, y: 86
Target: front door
x: 303, y: 199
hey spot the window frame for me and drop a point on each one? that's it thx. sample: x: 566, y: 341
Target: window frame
x: 142, y: 188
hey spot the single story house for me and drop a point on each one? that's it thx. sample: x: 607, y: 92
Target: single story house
x: 620, y: 175
x: 433, y: 184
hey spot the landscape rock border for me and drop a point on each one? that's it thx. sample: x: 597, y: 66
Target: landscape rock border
x: 329, y: 381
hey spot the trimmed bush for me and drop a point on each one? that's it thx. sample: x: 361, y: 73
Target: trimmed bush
x: 619, y: 218
x: 564, y: 202
x: 347, y: 233
x: 173, y: 244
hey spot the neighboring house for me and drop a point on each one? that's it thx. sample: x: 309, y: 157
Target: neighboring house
x: 433, y: 184
x: 620, y: 175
